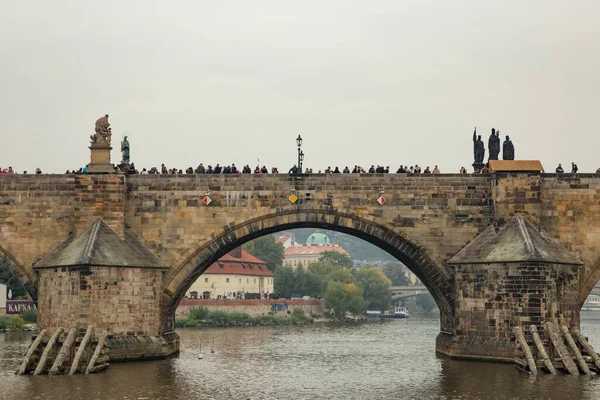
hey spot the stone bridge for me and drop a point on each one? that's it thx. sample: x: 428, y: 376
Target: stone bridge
x: 119, y: 252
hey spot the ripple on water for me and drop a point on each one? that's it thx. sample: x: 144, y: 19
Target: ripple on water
x: 381, y: 360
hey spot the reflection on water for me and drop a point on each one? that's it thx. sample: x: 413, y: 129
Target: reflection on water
x: 382, y: 360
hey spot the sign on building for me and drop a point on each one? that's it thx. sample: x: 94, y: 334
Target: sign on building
x: 18, y: 306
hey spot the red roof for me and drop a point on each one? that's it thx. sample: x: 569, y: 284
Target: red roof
x: 247, y: 264
x: 313, y: 250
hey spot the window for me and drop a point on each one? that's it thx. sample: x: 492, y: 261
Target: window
x: 254, y: 280
x: 227, y: 280
x: 240, y: 280
x: 205, y: 279
x: 247, y: 280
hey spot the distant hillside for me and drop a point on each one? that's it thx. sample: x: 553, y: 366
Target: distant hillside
x: 358, y: 248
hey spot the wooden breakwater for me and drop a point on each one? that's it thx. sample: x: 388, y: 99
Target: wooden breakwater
x: 60, y: 352
x: 554, y: 350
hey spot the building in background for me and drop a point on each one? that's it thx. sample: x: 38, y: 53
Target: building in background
x: 236, y: 275
x: 2, y: 299
x: 316, y: 244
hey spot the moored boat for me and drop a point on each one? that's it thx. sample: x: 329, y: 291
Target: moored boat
x: 399, y: 312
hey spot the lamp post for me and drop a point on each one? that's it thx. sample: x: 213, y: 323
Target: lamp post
x: 300, y: 153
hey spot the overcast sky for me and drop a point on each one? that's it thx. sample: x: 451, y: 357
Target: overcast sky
x: 386, y: 82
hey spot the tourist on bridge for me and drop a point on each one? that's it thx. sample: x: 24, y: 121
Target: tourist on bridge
x: 559, y: 169
x: 346, y: 170
x: 436, y: 170
x: 574, y: 168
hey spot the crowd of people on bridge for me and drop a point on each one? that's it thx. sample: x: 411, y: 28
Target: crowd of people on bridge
x: 233, y: 169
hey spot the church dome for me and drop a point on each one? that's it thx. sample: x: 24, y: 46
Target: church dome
x: 317, y: 239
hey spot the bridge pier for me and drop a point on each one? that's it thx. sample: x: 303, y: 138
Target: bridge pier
x: 112, y: 284
x: 512, y: 277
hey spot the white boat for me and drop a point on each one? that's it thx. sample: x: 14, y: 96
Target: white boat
x: 399, y: 312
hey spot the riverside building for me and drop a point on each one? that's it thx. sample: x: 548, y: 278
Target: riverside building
x: 236, y: 275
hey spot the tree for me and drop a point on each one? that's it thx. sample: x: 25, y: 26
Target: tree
x: 376, y: 288
x: 335, y: 258
x: 426, y: 302
x: 344, y: 297
x: 342, y: 275
x: 283, y: 281
x: 12, y: 283
x: 267, y: 250
x: 395, y: 272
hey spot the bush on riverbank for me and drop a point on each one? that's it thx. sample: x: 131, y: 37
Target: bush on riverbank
x: 30, y: 316
x: 11, y: 322
x: 202, y: 316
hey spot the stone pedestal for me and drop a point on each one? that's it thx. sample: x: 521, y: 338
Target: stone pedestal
x: 478, y: 166
x: 100, y: 159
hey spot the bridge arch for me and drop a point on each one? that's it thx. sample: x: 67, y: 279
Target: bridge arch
x: 9, y: 263
x: 435, y: 277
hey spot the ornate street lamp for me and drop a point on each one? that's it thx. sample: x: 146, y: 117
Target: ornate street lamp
x: 300, y: 153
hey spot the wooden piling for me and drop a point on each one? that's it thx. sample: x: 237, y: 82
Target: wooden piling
x: 525, y: 347
x: 81, y: 349
x: 541, y: 350
x: 587, y: 347
x: 559, y: 346
x: 40, y: 367
x: 32, y: 349
x: 64, y: 350
x: 582, y: 364
x: 92, y: 363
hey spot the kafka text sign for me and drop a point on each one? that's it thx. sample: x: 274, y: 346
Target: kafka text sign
x: 18, y: 306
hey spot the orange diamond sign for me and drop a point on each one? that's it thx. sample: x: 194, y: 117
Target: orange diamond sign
x: 293, y: 198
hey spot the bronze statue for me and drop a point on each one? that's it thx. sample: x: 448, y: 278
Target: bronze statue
x: 494, y: 144
x: 103, y: 131
x: 125, y: 150
x: 508, y: 149
x: 478, y: 148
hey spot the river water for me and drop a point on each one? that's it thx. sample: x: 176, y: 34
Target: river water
x: 391, y: 359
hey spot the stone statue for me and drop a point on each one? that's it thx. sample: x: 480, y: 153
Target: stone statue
x: 508, y: 149
x: 478, y: 148
x: 125, y: 150
x: 103, y: 131
x: 494, y: 144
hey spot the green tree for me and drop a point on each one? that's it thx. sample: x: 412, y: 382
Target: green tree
x: 335, y: 258
x: 426, y: 302
x: 283, y: 281
x: 344, y: 297
x: 376, y: 288
x: 13, y: 283
x: 395, y: 272
x: 267, y: 250
x: 342, y: 275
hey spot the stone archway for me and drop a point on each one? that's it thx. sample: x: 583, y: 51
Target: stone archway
x: 10, y: 264
x: 435, y: 277
x: 588, y: 282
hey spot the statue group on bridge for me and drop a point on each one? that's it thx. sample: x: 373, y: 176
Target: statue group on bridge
x: 508, y: 149
x: 103, y: 133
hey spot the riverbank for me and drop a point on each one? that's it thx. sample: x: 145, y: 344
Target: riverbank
x: 201, y: 317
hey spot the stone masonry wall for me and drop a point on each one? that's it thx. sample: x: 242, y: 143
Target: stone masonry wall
x: 254, y: 308
x: 494, y: 298
x: 122, y: 301
x: 442, y: 213
x: 567, y: 206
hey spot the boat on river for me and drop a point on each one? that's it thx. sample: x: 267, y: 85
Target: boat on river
x: 399, y: 312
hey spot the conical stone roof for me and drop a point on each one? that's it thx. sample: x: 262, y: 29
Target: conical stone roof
x: 517, y: 241
x: 98, y: 245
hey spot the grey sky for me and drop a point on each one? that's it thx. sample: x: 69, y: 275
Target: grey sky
x: 385, y: 82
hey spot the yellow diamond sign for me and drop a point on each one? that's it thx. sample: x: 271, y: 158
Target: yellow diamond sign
x: 292, y: 198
